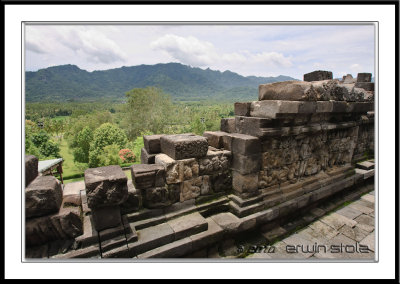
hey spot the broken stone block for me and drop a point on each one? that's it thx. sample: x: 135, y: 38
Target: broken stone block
x: 205, y: 188
x: 146, y: 158
x: 66, y: 224
x: 157, y: 197
x: 368, y: 86
x: 318, y: 75
x: 43, y: 196
x: 152, y: 143
x: 178, y: 171
x: 228, y: 125
x: 148, y: 175
x: 270, y: 108
x: 133, y: 201
x: 31, y: 169
x: 105, y: 186
x: 287, y: 90
x: 171, y: 167
x: 246, y: 164
x: 221, y: 182
x: 242, y: 109
x: 106, y: 217
x: 214, y: 138
x: 364, y: 77
x: 348, y: 79
x: 72, y: 192
x: 191, y: 189
x: 189, y: 169
x: 214, y: 162
x: 244, y: 183
x: 181, y: 146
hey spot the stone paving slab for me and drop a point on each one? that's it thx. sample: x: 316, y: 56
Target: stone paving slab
x: 349, y: 212
x: 368, y: 198
x: 369, y: 241
x: 355, y: 233
x: 336, y: 221
x: 360, y: 207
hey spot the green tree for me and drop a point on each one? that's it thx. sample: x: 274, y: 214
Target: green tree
x: 83, y: 140
x: 105, y: 135
x: 148, y: 109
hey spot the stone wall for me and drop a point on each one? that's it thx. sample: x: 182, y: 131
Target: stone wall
x: 296, y: 146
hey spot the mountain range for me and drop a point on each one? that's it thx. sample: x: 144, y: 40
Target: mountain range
x: 184, y: 83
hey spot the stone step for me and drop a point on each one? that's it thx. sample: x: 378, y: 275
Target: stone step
x: 366, y: 173
x: 173, y: 250
x: 166, y: 233
x: 365, y: 165
x: 245, y: 211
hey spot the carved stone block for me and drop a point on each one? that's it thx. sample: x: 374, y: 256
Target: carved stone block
x: 184, y: 146
x: 105, y: 186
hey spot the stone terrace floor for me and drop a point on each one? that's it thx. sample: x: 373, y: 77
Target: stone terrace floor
x: 345, y: 228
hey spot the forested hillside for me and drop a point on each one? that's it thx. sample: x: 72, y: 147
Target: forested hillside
x: 183, y: 83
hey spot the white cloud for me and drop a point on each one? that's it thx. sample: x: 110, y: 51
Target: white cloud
x: 88, y: 43
x: 190, y: 50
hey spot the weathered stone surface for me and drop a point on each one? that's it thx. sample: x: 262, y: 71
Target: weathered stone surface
x: 242, y: 109
x: 173, y: 250
x: 318, y: 75
x: 105, y: 186
x: 146, y: 176
x: 214, y: 162
x: 146, y: 158
x: 368, y: 86
x: 191, y: 188
x: 244, y: 183
x: 189, y: 169
x: 178, y: 171
x: 152, y: 237
x: 42, y: 196
x: 214, y: 138
x: 348, y: 79
x: 213, y: 234
x: 181, y: 146
x: 72, y: 192
x: 226, y: 221
x: 152, y: 143
x: 133, y: 199
x: 157, y: 197
x: 66, y: 224
x: 188, y: 225
x: 106, y: 217
x: 270, y: 108
x: 245, y: 144
x: 246, y: 164
x: 364, y: 77
x: 90, y: 235
x: 221, y: 182
x: 228, y: 125
x: 287, y: 90
x: 31, y: 168
x: 172, y: 168
x: 252, y: 125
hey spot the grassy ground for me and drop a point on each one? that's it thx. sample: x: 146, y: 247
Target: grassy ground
x: 69, y: 167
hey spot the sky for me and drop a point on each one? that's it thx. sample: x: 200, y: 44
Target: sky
x: 259, y: 50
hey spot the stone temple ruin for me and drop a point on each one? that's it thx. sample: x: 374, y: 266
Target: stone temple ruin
x: 298, y: 145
